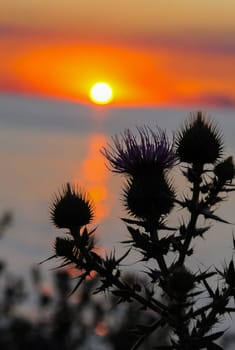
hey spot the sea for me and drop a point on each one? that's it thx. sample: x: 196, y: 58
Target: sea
x: 45, y: 144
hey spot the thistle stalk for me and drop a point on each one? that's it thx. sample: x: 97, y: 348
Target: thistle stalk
x: 160, y: 258
x: 197, y: 170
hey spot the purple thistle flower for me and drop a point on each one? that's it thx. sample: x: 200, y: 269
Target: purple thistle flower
x: 134, y: 155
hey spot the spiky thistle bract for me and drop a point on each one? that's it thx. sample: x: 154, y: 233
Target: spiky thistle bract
x: 199, y: 141
x: 71, y: 208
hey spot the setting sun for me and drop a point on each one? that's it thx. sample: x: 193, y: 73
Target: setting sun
x: 101, y: 93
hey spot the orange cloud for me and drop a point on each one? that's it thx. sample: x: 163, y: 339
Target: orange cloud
x: 68, y: 71
x: 139, y: 76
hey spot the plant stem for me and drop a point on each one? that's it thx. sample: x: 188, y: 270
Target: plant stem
x: 160, y: 259
x: 197, y: 169
x: 156, y: 305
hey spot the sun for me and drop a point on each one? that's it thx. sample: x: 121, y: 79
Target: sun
x: 101, y: 93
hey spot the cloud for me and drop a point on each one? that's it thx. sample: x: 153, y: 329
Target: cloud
x: 217, y: 100
x: 14, y: 31
x: 222, y: 43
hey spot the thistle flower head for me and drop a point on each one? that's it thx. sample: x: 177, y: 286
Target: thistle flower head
x: 180, y: 282
x: 134, y: 154
x: 225, y: 170
x: 71, y: 208
x: 64, y: 247
x: 199, y: 141
x: 149, y: 197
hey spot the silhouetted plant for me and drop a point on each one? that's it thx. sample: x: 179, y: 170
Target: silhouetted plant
x: 173, y: 293
x: 5, y: 221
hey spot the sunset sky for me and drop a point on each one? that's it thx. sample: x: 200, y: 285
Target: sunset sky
x: 151, y: 52
x: 179, y: 55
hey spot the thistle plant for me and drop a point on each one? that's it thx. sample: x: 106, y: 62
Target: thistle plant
x: 174, y: 292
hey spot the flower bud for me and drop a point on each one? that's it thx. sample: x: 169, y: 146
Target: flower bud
x: 199, y: 142
x: 64, y: 247
x: 148, y: 197
x: 71, y: 209
x: 225, y: 170
x: 180, y: 282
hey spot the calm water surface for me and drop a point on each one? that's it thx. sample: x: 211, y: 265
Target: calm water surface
x: 44, y: 144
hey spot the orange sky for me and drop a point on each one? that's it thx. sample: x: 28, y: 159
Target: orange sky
x: 152, y: 53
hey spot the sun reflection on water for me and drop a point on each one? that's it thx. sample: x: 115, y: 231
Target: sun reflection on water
x: 93, y: 173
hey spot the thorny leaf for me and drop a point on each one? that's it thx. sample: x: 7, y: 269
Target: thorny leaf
x: 209, y: 215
